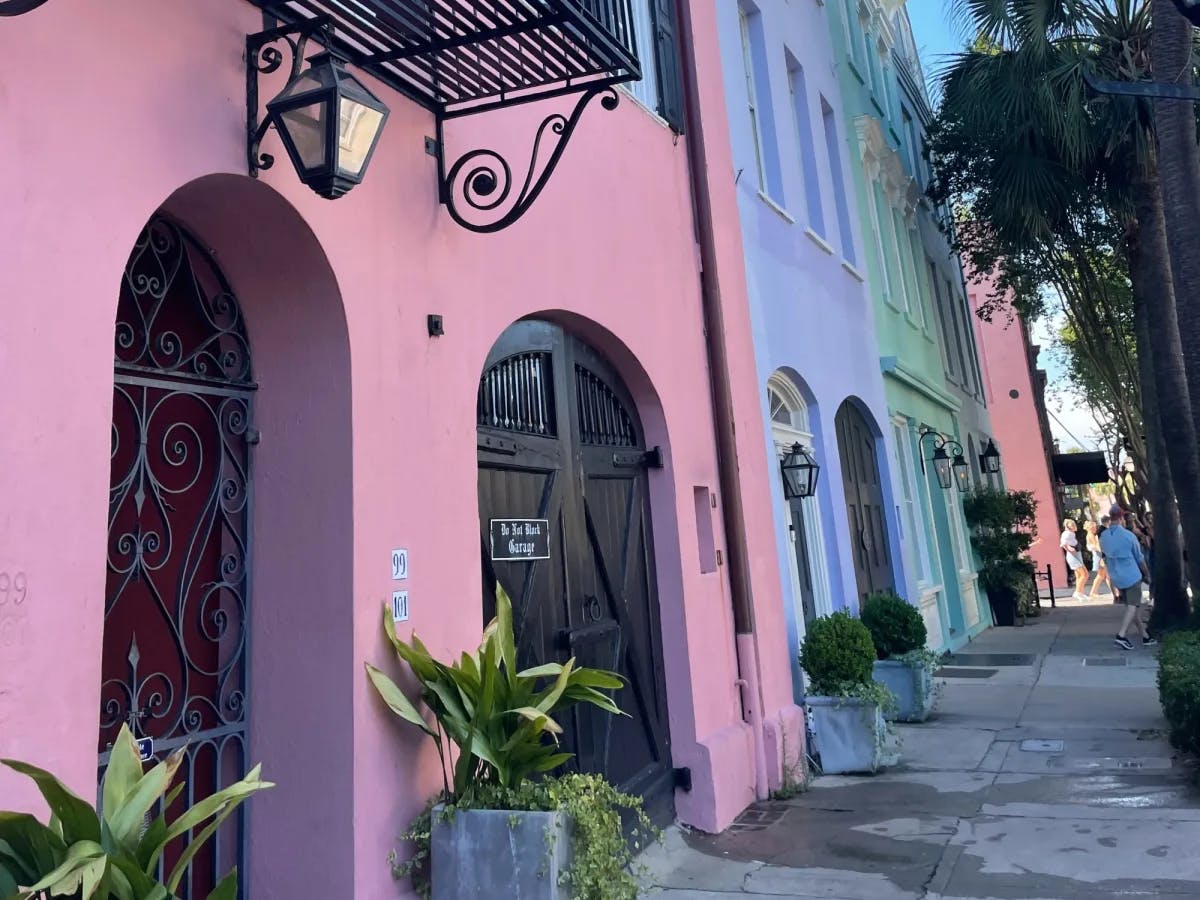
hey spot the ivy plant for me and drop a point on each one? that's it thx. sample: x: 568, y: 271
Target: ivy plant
x: 602, y: 856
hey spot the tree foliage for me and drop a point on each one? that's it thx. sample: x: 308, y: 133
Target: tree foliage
x: 1039, y: 169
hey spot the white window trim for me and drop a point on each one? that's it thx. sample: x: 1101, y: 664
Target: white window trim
x: 752, y: 98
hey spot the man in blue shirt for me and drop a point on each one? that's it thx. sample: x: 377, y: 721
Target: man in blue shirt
x: 1127, y: 569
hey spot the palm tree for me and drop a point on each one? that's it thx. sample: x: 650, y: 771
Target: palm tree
x: 1051, y: 176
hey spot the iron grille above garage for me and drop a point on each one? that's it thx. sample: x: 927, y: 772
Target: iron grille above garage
x: 464, y: 56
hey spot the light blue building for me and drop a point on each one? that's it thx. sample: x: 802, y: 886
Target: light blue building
x: 814, y: 327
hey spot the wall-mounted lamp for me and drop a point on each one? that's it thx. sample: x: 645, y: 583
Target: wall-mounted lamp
x: 328, y: 120
x: 948, y: 469
x: 800, y: 472
x: 989, y: 459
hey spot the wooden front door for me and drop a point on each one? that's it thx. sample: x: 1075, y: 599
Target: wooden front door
x: 559, y: 440
x: 864, y: 502
x: 176, y: 614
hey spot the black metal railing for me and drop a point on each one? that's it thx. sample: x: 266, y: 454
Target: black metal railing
x: 461, y: 56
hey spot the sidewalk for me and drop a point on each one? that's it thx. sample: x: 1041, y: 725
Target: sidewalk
x: 1045, y: 780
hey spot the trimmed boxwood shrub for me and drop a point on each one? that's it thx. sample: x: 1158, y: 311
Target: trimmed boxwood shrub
x: 895, y: 624
x: 837, y: 654
x: 1179, y: 688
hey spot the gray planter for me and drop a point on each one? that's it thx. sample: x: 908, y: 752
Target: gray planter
x: 850, y: 735
x: 912, y: 683
x: 490, y: 853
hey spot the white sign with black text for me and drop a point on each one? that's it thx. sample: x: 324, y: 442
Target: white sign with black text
x: 399, y: 606
x: 399, y: 564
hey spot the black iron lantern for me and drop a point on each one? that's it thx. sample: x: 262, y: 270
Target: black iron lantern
x: 949, y: 469
x: 330, y: 123
x: 962, y: 473
x: 941, y: 466
x: 800, y: 473
x: 989, y: 459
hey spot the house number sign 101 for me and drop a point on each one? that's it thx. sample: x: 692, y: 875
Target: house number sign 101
x: 517, y: 540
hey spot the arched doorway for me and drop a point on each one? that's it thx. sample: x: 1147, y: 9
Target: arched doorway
x: 809, y: 575
x: 176, y: 603
x: 864, y: 501
x: 560, y: 443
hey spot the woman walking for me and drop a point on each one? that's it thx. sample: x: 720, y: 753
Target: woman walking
x: 1069, y: 544
x: 1099, y: 569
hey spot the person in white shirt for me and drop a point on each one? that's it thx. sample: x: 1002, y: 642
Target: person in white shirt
x: 1069, y: 544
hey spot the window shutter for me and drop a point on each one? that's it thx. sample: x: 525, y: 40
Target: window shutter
x: 670, y: 80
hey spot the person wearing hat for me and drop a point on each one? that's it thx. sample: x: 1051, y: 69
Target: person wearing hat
x: 1127, y: 571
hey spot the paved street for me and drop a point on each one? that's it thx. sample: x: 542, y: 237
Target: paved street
x: 1048, y: 780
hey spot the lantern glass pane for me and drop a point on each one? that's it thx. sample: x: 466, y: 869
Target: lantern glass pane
x: 306, y: 127
x: 941, y: 465
x: 358, y: 126
x: 962, y: 472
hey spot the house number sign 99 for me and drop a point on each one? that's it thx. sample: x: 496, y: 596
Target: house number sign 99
x: 399, y: 564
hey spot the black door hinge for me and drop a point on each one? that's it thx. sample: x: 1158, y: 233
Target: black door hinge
x: 639, y: 459
x: 498, y: 444
x: 682, y: 778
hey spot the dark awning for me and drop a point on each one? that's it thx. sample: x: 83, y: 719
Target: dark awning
x: 1080, y: 468
x: 459, y: 56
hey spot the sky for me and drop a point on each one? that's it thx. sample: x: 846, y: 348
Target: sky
x: 938, y: 36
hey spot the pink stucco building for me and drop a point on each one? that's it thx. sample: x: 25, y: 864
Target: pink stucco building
x: 1016, y: 398
x: 198, y: 518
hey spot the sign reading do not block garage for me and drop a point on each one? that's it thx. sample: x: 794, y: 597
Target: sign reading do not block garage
x: 515, y: 540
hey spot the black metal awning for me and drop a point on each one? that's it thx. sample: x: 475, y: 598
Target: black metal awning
x: 463, y: 56
x: 1080, y: 468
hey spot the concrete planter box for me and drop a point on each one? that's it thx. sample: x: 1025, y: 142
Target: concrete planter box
x: 483, y: 854
x: 912, y: 683
x: 851, y: 735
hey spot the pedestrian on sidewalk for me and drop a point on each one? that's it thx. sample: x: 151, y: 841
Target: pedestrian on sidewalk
x: 1128, y: 571
x: 1069, y: 544
x: 1099, y: 569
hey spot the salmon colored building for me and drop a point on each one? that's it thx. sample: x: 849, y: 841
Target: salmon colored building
x: 242, y: 418
x: 1016, y: 399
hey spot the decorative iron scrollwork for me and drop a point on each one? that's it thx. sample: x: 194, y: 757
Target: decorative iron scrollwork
x: 482, y: 181
x: 18, y: 7
x: 263, y: 58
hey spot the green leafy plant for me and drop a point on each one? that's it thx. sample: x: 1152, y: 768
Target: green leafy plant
x: 837, y: 654
x: 1179, y: 688
x: 794, y: 779
x: 499, y: 723
x: 113, y: 854
x: 500, y: 719
x: 602, y: 858
x: 895, y: 625
x: 1003, y: 527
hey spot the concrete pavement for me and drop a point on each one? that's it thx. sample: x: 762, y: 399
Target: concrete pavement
x: 1045, y: 781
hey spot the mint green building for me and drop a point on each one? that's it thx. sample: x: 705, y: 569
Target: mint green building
x: 907, y: 264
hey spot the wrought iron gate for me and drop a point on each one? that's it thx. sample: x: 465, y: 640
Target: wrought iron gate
x: 559, y: 440
x: 176, y: 614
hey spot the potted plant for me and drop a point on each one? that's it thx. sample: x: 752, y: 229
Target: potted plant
x: 1003, y: 527
x: 904, y: 666
x: 116, y: 853
x: 845, y: 703
x: 503, y: 827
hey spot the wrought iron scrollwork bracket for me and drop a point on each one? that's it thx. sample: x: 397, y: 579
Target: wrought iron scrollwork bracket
x: 940, y: 442
x: 18, y: 7
x: 263, y: 58
x: 481, y: 182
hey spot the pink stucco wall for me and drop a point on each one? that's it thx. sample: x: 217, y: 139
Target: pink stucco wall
x: 1004, y: 358
x: 368, y: 434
